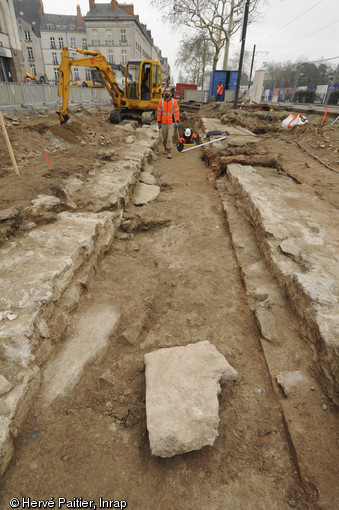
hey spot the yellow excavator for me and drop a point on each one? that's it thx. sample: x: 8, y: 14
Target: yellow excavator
x: 30, y: 77
x: 137, y: 99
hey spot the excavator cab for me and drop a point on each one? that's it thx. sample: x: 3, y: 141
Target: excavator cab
x: 142, y: 91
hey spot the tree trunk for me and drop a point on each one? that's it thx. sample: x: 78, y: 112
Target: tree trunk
x: 227, y: 50
x: 215, y: 59
x: 203, y: 65
x: 228, y: 35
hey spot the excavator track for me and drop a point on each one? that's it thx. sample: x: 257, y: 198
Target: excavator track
x: 117, y: 115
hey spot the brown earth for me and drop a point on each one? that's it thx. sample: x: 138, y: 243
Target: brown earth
x: 177, y: 278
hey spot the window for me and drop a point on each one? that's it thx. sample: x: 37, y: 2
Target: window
x: 109, y: 39
x: 61, y: 42
x: 55, y: 58
x: 110, y: 57
x: 84, y: 44
x: 123, y: 36
x: 73, y: 42
x: 50, y: 26
x: 123, y: 57
x: 52, y: 39
x: 76, y: 74
x: 95, y: 37
x: 33, y: 69
x: 30, y: 53
x: 88, y: 74
x: 56, y: 74
x: 27, y: 35
x: 156, y: 76
x: 72, y: 27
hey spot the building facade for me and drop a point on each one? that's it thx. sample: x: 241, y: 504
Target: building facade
x: 117, y: 33
x: 29, y: 14
x: 31, y: 40
x: 11, y: 58
x: 58, y: 31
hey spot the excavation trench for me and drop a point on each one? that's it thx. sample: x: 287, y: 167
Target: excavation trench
x: 210, y: 259
x: 174, y: 283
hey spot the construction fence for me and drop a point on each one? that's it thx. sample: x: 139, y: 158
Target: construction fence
x: 28, y: 94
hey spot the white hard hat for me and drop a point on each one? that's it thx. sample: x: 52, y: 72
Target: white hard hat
x: 187, y: 131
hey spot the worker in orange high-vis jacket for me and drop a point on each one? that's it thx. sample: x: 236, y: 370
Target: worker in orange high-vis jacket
x: 220, y: 89
x: 168, y: 118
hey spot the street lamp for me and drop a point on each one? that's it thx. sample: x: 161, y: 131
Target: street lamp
x: 296, y: 80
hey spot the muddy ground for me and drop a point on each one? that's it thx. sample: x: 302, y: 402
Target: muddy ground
x: 73, y: 150
x: 177, y: 277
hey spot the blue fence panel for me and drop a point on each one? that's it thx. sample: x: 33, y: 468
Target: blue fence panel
x: 233, y: 78
x: 227, y: 78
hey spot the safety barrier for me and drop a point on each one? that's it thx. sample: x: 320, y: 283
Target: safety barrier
x: 29, y: 94
x: 11, y: 94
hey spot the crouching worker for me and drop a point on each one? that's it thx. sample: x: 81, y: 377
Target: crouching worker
x: 168, y: 117
x: 188, y: 137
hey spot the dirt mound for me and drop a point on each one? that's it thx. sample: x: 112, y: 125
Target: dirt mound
x: 68, y: 132
x: 71, y: 149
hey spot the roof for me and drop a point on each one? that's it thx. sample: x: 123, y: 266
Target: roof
x: 62, y: 22
x: 105, y: 11
x: 29, y: 11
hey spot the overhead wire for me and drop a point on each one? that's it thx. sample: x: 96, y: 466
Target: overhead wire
x: 304, y: 37
x: 292, y: 21
x: 325, y: 59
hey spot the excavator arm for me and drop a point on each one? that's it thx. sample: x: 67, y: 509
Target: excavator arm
x: 92, y: 59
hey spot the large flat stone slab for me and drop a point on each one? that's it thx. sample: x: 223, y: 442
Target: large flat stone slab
x: 92, y: 330
x: 182, y: 388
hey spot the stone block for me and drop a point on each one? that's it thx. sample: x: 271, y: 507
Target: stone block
x: 290, y: 381
x: 145, y: 193
x: 5, y: 386
x: 182, y: 388
x: 8, y: 214
x: 6, y: 444
x: 147, y: 178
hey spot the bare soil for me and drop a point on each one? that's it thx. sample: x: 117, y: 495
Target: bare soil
x: 176, y: 276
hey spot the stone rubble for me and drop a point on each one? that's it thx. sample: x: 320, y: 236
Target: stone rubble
x: 44, y: 272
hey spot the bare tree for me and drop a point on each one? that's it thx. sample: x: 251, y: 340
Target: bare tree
x: 219, y: 19
x: 194, y: 55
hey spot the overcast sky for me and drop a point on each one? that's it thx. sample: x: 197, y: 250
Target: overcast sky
x: 287, y: 30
